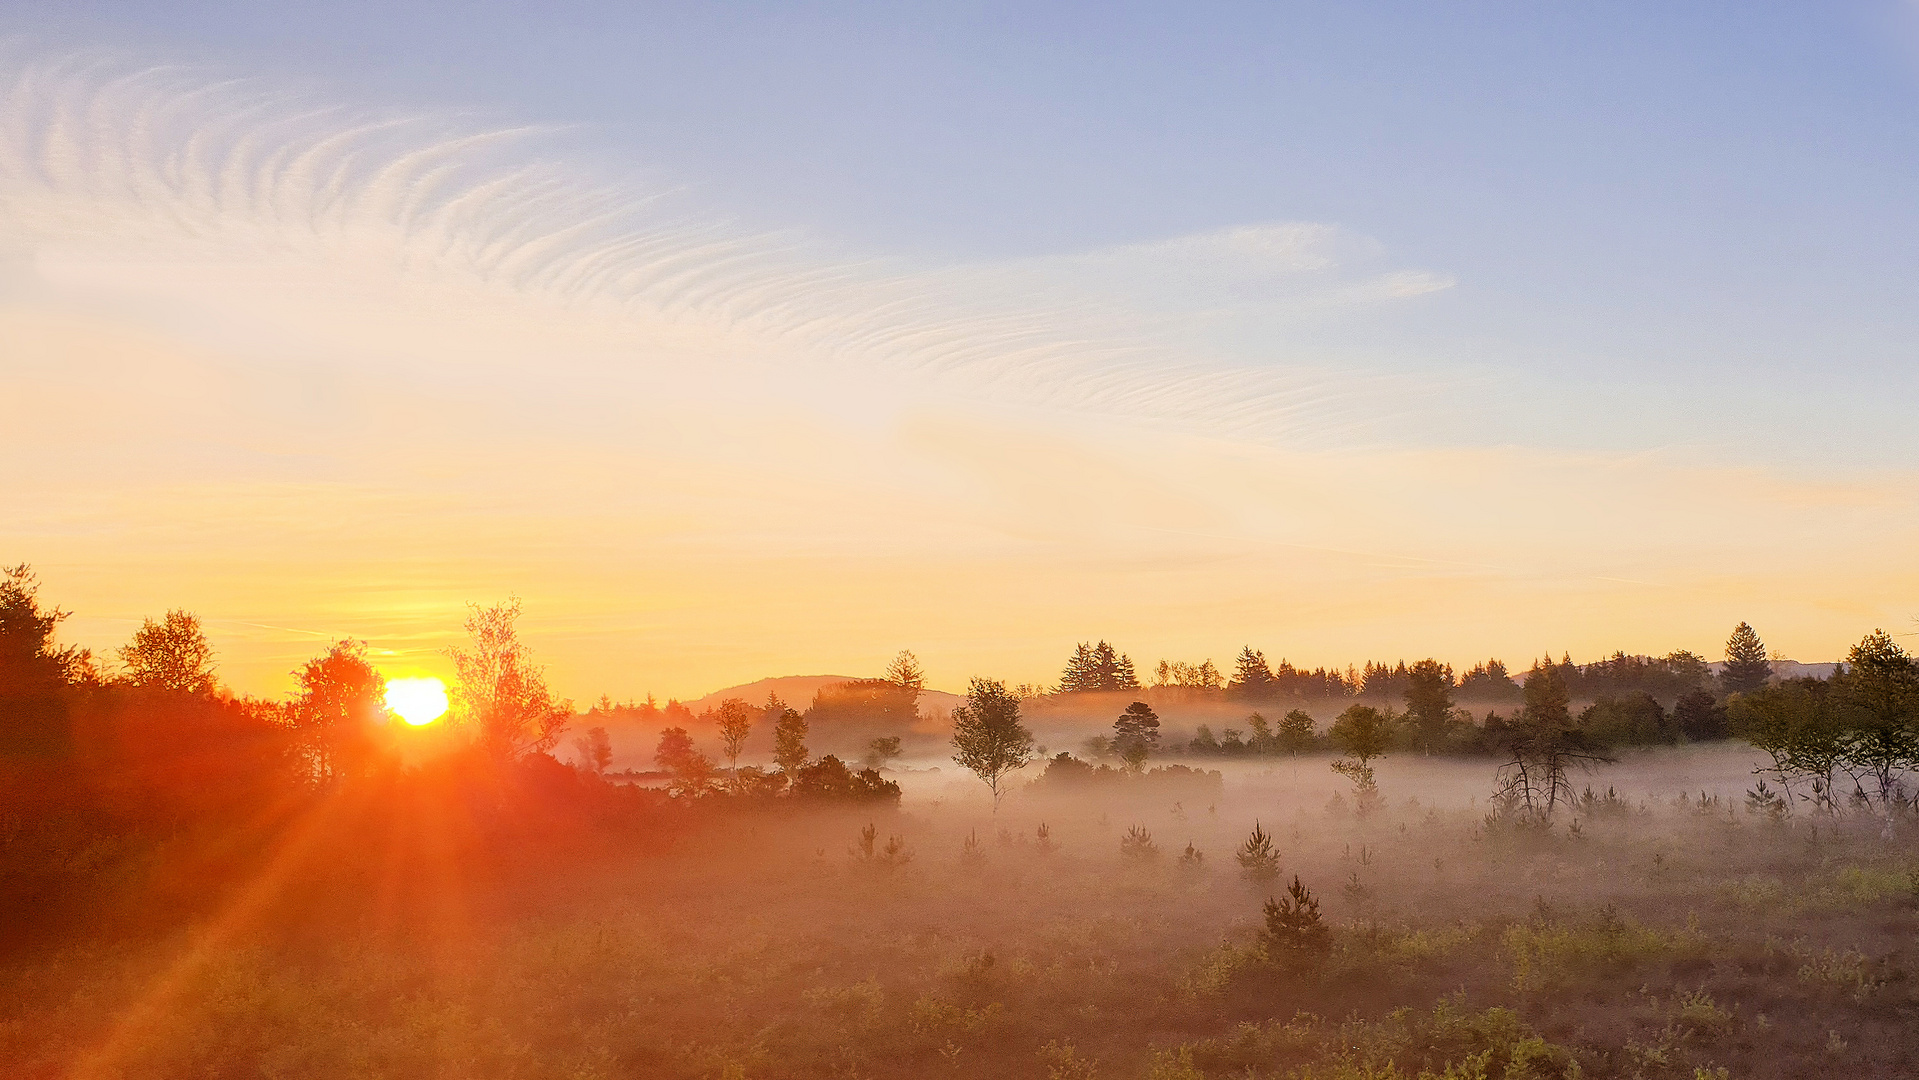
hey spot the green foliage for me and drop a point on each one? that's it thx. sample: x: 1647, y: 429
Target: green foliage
x: 1297, y: 731
x: 1449, y: 1042
x: 1063, y: 1061
x: 1362, y: 733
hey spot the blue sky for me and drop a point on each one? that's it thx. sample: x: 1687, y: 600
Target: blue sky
x: 1659, y: 260
x: 1688, y: 198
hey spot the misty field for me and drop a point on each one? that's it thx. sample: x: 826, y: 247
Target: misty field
x: 1661, y: 929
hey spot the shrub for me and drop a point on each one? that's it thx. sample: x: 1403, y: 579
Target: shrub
x: 1138, y: 843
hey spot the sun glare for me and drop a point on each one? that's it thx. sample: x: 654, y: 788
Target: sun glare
x: 417, y: 701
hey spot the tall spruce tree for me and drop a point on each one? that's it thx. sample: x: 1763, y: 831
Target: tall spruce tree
x: 1082, y: 671
x: 1252, y: 679
x: 1747, y: 668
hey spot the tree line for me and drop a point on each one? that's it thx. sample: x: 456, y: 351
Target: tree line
x: 1101, y: 668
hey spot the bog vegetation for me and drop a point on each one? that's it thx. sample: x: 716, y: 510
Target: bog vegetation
x: 1639, y: 867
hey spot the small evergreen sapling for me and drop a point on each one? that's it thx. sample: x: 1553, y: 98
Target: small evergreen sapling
x: 1138, y: 843
x: 1256, y: 856
x: 1294, y: 930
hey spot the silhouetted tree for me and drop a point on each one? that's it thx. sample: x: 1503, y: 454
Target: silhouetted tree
x: 1136, y: 734
x: 1203, y: 677
x: 1262, y: 740
x: 1699, y: 716
x: 1294, y: 932
x: 878, y: 703
x: 1798, y: 725
x: 1489, y: 681
x: 1429, y: 702
x: 1364, y: 734
x: 1879, y: 696
x: 988, y: 737
x: 691, y: 771
x: 789, y: 743
x: 1543, y: 746
x: 1747, y: 668
x: 171, y: 655
x: 1297, y: 732
x: 1094, y: 668
x: 595, y: 749
x: 34, y: 670
x: 502, y: 696
x: 905, y: 672
x: 341, y: 699
x: 734, y: 723
x: 1252, y: 679
x: 1257, y: 857
x: 829, y: 778
x: 882, y: 750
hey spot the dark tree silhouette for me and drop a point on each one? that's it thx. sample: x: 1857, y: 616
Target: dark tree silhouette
x: 503, y: 699
x: 171, y: 655
x: 789, y: 742
x: 1747, y: 668
x: 1252, y: 679
x: 1294, y: 932
x: 1429, y: 702
x: 735, y: 723
x: 1136, y: 734
x: 341, y: 699
x: 1543, y: 747
x: 1097, y: 668
x: 692, y: 771
x: 595, y: 748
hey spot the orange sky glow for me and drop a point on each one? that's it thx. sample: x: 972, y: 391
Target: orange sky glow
x: 308, y: 418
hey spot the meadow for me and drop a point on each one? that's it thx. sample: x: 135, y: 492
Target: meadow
x: 1660, y: 929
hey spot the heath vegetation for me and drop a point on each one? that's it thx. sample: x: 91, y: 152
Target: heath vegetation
x: 1634, y: 868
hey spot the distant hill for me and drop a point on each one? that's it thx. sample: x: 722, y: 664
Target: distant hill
x: 1788, y: 669
x: 798, y: 690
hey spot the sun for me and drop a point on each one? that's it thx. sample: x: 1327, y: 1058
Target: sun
x: 417, y: 701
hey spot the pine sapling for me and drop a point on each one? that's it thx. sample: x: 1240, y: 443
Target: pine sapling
x: 1257, y: 858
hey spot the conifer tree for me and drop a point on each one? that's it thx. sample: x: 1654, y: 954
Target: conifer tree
x: 1747, y: 668
x: 1252, y: 679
